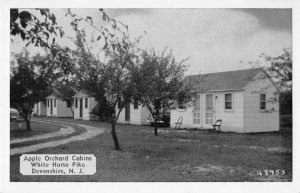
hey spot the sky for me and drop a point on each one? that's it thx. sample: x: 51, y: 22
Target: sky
x: 214, y: 40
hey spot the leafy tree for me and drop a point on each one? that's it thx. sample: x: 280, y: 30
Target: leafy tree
x: 30, y: 28
x: 119, y: 84
x: 67, y: 87
x: 159, y: 82
x: 106, y: 81
x: 30, y: 82
x: 89, y: 73
x: 281, y: 69
x: 39, y: 27
x: 281, y: 72
x: 110, y: 34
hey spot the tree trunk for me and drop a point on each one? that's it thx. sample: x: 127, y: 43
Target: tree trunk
x: 155, y: 127
x: 27, y: 121
x: 72, y: 110
x: 114, y: 135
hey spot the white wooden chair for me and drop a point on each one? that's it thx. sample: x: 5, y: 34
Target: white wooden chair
x: 179, y: 122
x: 217, y: 125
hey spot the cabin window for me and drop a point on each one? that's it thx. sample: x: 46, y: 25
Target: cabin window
x: 262, y: 101
x: 76, y: 103
x: 181, y: 102
x: 228, y: 101
x: 86, y: 103
x: 136, y: 104
x: 54, y: 102
x: 69, y: 103
x: 157, y: 103
x: 196, y: 112
x: 119, y: 102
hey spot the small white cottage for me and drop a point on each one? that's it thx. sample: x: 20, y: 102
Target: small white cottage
x: 133, y: 113
x: 56, y: 107
x: 84, y: 106
x: 40, y: 109
x: 241, y: 99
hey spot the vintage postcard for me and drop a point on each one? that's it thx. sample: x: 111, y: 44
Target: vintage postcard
x: 140, y: 94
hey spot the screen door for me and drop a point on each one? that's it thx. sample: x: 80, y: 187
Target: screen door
x: 196, y: 112
x: 127, y: 112
x: 209, y: 110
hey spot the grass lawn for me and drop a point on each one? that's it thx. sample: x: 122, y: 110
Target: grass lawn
x: 18, y: 129
x: 38, y: 128
x: 175, y: 156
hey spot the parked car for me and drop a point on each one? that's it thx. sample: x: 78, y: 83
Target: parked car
x: 163, y: 121
x: 14, y: 114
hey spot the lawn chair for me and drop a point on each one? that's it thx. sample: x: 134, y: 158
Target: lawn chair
x: 217, y: 125
x: 179, y: 122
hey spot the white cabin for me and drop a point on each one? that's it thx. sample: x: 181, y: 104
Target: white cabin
x: 84, y: 106
x: 242, y: 99
x: 56, y: 107
x: 40, y: 109
x: 134, y: 114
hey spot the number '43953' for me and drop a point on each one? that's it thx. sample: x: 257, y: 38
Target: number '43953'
x: 278, y: 172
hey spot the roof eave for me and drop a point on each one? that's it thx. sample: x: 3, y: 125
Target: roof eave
x: 225, y: 90
x: 266, y: 74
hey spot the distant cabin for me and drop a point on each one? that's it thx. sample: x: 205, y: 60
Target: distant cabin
x: 133, y: 113
x: 40, y: 109
x: 243, y: 99
x: 56, y: 107
x: 85, y: 107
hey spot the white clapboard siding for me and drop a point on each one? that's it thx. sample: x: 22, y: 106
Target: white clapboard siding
x: 62, y: 109
x: 54, y: 110
x: 144, y: 115
x: 86, y: 112
x: 245, y: 116
x: 76, y: 110
x: 232, y: 119
x: 187, y: 116
x: 92, y: 103
x: 59, y: 110
x: 121, y: 118
x: 255, y: 119
x: 40, y: 109
x: 137, y: 116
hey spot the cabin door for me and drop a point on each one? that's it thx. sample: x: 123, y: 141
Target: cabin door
x: 196, y: 112
x: 51, y: 107
x: 127, y: 112
x: 37, y: 109
x: 209, y: 110
x: 80, y: 108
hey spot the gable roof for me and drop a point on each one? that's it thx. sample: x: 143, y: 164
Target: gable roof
x: 82, y: 94
x: 55, y: 94
x: 79, y: 95
x: 95, y: 110
x: 220, y: 81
